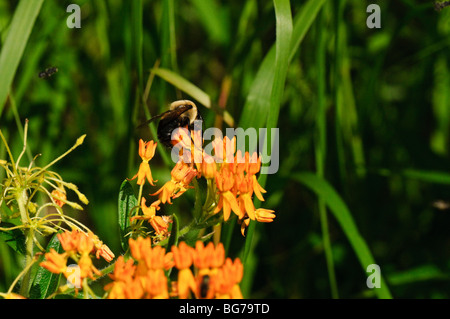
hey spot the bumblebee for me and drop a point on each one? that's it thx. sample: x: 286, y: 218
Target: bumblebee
x: 181, y: 113
x: 48, y: 72
x: 204, y: 286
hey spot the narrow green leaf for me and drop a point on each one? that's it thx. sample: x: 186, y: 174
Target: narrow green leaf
x: 184, y: 85
x: 438, y: 177
x: 127, y: 200
x: 16, y: 40
x: 283, y: 41
x: 213, y: 19
x: 421, y: 273
x: 342, y: 214
x: 45, y: 282
x: 258, y: 98
x: 136, y: 14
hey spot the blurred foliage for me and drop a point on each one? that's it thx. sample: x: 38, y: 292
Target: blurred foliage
x: 387, y: 103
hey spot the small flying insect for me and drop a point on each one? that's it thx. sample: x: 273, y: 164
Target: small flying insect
x: 441, y: 204
x: 48, y: 72
x: 438, y: 6
x: 181, y: 113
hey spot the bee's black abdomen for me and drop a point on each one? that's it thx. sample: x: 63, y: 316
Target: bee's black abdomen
x: 204, y: 286
x: 165, y: 129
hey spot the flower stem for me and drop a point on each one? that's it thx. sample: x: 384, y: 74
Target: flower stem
x: 22, y: 200
x: 24, y: 287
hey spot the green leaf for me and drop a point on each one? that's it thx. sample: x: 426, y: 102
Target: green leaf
x: 14, y: 238
x: 127, y: 201
x: 16, y: 40
x: 282, y: 48
x: 342, y: 214
x: 214, y: 19
x: 438, y: 177
x: 257, y: 104
x: 425, y: 272
x: 45, y: 282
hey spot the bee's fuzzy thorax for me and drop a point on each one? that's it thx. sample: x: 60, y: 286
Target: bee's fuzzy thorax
x: 191, y: 113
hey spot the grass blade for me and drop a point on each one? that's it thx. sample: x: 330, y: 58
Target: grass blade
x: 283, y: 42
x: 258, y: 99
x: 321, y: 147
x: 16, y: 40
x: 213, y: 19
x: 342, y: 214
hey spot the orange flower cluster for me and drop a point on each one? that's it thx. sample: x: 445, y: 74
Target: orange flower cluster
x: 216, y: 277
x: 181, y: 176
x: 159, y: 223
x: 78, y: 246
x: 236, y: 182
x: 234, y: 175
x: 143, y: 276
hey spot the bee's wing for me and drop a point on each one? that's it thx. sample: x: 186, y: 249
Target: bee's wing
x: 152, y: 119
x: 169, y: 115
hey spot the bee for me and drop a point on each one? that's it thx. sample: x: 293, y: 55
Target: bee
x: 48, y: 72
x: 181, y: 113
x: 204, y: 286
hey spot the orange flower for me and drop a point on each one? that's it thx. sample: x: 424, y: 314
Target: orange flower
x: 182, y: 175
x: 250, y: 165
x: 159, y: 224
x: 100, y: 248
x: 125, y: 290
x: 134, y: 290
x: 244, y: 185
x: 168, y: 261
x: 244, y: 224
x: 78, y: 242
x: 209, y: 256
x: 87, y: 269
x: 144, y: 280
x: 264, y: 215
x: 224, y: 150
x: 155, y: 284
x: 85, y: 244
x: 55, y: 263
x: 123, y: 271
x: 227, y: 200
x: 182, y: 256
x: 116, y: 290
x: 69, y: 241
x: 148, y: 258
x: 226, y: 283
x: 208, y: 167
x: 146, y: 152
x: 59, y: 197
